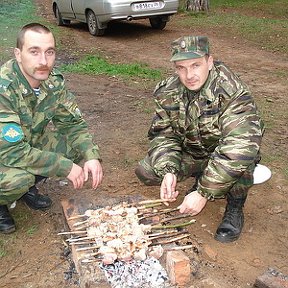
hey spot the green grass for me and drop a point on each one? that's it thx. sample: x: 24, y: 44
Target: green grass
x: 264, y: 23
x: 32, y: 230
x: 13, y: 15
x: 95, y: 65
x: 3, y: 250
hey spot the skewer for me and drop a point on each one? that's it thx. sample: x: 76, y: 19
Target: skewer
x: 161, y: 233
x: 87, y: 248
x: 91, y: 260
x: 71, y: 232
x: 149, y: 206
x: 81, y: 243
x: 76, y: 217
x: 80, y: 239
x: 154, y: 201
x: 80, y: 223
x: 80, y: 227
x: 90, y: 255
x: 167, y: 236
x: 175, y: 218
x: 173, y: 226
x: 170, y: 240
x: 178, y: 247
x: 160, y: 212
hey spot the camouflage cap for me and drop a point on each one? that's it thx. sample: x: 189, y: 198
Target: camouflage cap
x: 189, y: 47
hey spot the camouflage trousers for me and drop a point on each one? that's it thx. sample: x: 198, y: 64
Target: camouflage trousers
x: 192, y: 168
x: 15, y: 182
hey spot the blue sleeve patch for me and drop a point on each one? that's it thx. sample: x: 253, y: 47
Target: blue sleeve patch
x: 12, y: 133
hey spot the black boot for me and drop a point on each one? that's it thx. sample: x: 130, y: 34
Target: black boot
x: 233, y: 220
x: 7, y: 224
x: 35, y: 200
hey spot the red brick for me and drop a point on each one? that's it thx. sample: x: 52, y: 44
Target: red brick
x: 178, y: 267
x: 272, y: 279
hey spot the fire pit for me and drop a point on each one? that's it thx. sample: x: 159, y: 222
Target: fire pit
x: 126, y: 241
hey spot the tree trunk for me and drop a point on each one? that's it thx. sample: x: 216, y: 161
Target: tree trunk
x: 197, y: 5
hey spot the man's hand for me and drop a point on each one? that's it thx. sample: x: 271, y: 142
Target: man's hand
x: 168, y: 186
x: 76, y: 176
x: 94, y: 167
x: 193, y: 203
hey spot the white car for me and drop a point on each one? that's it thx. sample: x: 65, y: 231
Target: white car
x: 97, y: 13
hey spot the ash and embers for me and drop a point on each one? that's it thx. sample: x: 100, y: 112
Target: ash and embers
x: 148, y: 273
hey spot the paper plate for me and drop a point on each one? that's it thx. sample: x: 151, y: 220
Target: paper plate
x: 261, y: 174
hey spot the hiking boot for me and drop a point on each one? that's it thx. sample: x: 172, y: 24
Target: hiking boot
x: 7, y: 224
x: 233, y: 220
x: 35, y: 200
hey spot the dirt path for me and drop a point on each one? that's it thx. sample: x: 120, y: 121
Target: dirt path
x: 118, y: 117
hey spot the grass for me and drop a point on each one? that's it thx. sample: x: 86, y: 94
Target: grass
x: 22, y: 218
x: 13, y: 15
x: 3, y: 250
x: 32, y: 230
x: 263, y: 22
x: 269, y: 33
x: 95, y: 65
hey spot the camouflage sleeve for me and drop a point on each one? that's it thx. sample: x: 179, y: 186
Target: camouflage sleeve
x: 69, y: 122
x: 165, y: 146
x: 15, y: 150
x: 238, y: 146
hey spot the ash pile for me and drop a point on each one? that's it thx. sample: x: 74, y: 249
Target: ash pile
x: 148, y: 273
x: 127, y: 242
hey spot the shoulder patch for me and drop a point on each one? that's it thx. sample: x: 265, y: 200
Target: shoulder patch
x: 12, y: 133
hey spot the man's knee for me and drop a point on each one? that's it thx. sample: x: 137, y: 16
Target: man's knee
x: 147, y: 177
x: 14, y: 184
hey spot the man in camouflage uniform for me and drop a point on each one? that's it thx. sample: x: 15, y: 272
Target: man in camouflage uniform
x: 33, y: 95
x: 207, y: 126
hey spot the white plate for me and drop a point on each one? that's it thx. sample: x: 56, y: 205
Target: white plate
x: 261, y: 174
x: 144, y: 6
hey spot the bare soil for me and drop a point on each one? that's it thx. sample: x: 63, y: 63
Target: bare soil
x: 118, y: 113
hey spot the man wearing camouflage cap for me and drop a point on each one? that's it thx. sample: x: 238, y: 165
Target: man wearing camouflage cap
x: 33, y: 95
x: 206, y: 125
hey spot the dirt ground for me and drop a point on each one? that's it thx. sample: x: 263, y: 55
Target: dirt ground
x: 119, y: 114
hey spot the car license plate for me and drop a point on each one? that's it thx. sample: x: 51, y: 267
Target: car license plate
x: 146, y: 6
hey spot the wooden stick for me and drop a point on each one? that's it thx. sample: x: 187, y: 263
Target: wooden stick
x: 149, y: 206
x: 90, y: 255
x: 91, y: 260
x: 87, y: 248
x: 154, y: 201
x: 80, y: 223
x: 173, y: 226
x: 80, y: 239
x: 76, y: 217
x: 161, y: 233
x: 170, y: 240
x: 81, y: 243
x: 175, y: 218
x: 160, y: 212
x: 178, y: 247
x: 80, y: 227
x: 71, y: 232
x: 167, y: 235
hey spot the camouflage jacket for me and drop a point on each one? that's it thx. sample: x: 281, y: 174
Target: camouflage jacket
x: 219, y: 123
x: 24, y: 119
